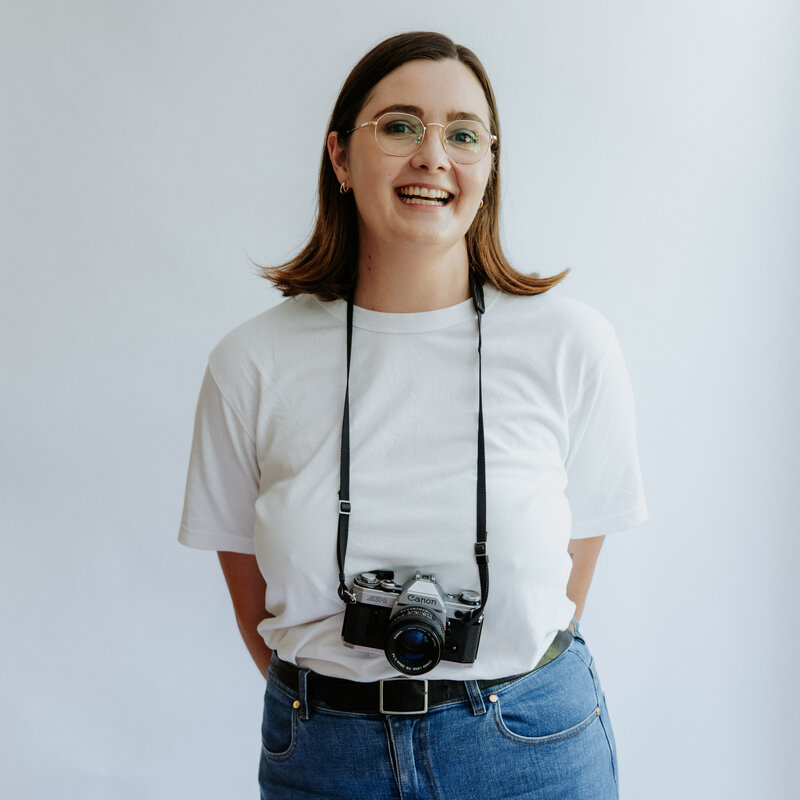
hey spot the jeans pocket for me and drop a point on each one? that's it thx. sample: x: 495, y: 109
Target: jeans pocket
x: 279, y: 725
x: 542, y: 738
x: 552, y: 704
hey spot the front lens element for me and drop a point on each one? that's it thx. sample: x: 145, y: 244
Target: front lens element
x: 412, y: 646
x: 415, y: 641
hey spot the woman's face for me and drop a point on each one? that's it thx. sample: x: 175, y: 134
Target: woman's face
x: 434, y: 91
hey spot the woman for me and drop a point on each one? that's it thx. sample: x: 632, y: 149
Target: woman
x: 429, y: 686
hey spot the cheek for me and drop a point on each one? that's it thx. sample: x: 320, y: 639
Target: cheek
x: 369, y: 168
x: 487, y: 172
x: 373, y: 180
x: 474, y: 183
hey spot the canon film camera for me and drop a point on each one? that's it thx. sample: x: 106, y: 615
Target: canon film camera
x: 415, y: 624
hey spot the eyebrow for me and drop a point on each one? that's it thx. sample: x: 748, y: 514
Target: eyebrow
x: 418, y: 112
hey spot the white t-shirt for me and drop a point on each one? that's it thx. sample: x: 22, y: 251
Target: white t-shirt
x: 561, y: 463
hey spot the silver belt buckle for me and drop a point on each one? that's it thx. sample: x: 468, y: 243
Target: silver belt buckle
x: 391, y: 696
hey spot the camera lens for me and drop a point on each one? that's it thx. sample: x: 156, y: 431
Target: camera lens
x: 415, y: 640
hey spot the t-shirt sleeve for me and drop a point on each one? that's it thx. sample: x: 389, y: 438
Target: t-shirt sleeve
x: 604, y: 479
x: 223, y: 480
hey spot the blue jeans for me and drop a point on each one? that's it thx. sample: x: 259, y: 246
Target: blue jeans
x: 545, y: 736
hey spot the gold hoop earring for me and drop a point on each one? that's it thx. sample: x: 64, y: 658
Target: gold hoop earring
x: 480, y: 205
x: 343, y: 188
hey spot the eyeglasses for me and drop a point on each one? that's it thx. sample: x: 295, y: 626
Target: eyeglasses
x: 465, y: 140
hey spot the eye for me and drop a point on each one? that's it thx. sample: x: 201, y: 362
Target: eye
x: 400, y: 128
x: 464, y: 135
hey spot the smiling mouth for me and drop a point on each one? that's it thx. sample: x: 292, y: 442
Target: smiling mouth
x: 421, y: 195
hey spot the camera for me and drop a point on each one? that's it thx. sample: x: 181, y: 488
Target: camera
x: 415, y: 624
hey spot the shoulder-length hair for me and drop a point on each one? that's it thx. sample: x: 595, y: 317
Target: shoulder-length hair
x: 327, y: 265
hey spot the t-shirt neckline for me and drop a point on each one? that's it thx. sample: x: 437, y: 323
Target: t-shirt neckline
x: 414, y: 322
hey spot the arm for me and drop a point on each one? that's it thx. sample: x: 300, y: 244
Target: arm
x: 247, y: 588
x: 584, y: 554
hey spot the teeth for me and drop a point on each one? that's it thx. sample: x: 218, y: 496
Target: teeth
x: 423, y: 191
x: 422, y: 201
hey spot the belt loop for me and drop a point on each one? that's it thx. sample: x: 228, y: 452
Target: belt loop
x: 577, y: 633
x: 302, y: 688
x: 475, y: 697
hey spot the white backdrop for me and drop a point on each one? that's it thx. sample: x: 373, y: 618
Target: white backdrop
x: 150, y: 149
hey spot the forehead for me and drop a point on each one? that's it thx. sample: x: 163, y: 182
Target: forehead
x: 436, y: 87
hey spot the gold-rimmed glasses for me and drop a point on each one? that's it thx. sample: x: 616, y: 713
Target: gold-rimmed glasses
x: 464, y: 140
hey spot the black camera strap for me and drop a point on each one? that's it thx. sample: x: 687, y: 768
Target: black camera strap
x: 344, y: 467
x: 481, y: 555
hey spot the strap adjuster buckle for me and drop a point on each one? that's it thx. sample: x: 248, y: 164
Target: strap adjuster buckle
x: 344, y: 507
x: 403, y: 696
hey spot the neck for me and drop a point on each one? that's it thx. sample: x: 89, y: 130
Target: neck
x: 412, y: 279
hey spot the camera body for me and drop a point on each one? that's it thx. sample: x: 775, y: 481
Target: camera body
x: 415, y: 624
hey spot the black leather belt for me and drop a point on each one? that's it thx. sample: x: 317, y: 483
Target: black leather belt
x: 400, y: 696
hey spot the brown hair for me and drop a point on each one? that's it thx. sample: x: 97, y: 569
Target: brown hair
x: 327, y: 264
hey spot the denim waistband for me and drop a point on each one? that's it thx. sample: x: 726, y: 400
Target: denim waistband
x: 340, y: 694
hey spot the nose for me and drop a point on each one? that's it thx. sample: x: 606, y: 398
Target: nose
x: 431, y: 154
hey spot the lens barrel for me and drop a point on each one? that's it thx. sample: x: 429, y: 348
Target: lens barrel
x: 414, y: 640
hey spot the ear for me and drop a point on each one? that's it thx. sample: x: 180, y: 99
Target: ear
x: 337, y: 152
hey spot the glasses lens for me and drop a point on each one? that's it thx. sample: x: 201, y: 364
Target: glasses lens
x: 466, y: 140
x: 399, y: 134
